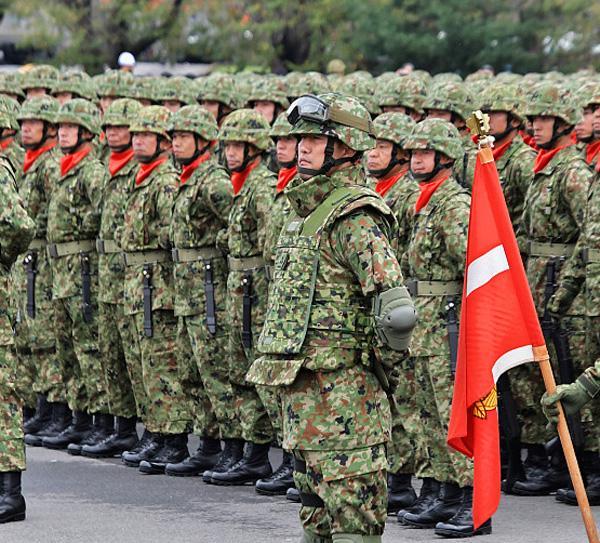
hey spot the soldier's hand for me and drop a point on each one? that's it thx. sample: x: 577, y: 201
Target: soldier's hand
x: 561, y: 300
x: 572, y: 398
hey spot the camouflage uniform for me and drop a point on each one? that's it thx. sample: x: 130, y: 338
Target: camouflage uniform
x: 407, y: 92
x: 78, y: 83
x: 16, y: 231
x: 10, y: 86
x: 10, y: 147
x: 40, y: 76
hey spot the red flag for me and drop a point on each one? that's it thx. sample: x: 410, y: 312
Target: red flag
x: 499, y: 330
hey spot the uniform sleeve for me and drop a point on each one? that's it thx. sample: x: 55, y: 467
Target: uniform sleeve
x: 455, y: 227
x: 165, y: 198
x: 95, y: 182
x: 264, y: 198
x: 219, y: 195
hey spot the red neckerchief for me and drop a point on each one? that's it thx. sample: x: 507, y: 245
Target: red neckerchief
x: 573, y: 137
x: 385, y: 184
x: 118, y: 159
x: 544, y: 156
x: 31, y: 155
x: 598, y: 166
x: 102, y: 137
x: 428, y: 188
x: 5, y: 143
x: 239, y: 178
x: 284, y: 176
x: 146, y: 169
x: 188, y: 170
x: 69, y: 161
x: 499, y: 150
x: 528, y: 139
x: 591, y: 150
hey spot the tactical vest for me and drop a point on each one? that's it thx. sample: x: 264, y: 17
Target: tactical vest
x: 303, y: 313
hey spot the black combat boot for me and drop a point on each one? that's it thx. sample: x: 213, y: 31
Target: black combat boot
x: 103, y: 427
x: 253, y: 466
x: 173, y: 451
x: 547, y: 480
x: 61, y: 418
x: 28, y: 413
x: 74, y: 433
x: 12, y: 502
x: 429, y: 492
x: 401, y: 494
x: 145, y: 448
x: 281, y: 480
x: 535, y: 465
x: 590, y: 466
x: 123, y: 439
x: 443, y: 508
x: 231, y: 454
x: 461, y: 524
x: 43, y: 415
x: 206, y: 456
x: 293, y: 495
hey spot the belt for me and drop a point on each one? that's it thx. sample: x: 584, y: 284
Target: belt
x: 433, y: 288
x: 57, y: 250
x: 245, y: 264
x: 107, y: 246
x: 194, y: 255
x: 37, y: 245
x: 535, y: 248
x: 137, y: 258
x: 590, y: 255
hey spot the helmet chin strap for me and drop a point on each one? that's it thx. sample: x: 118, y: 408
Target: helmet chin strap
x: 157, y: 152
x: 556, y: 134
x: 437, y: 168
x: 35, y: 146
x: 588, y: 139
x: 247, y: 159
x: 197, y: 152
x: 328, y: 160
x: 120, y: 148
x: 499, y: 136
x: 394, y: 161
x: 80, y: 141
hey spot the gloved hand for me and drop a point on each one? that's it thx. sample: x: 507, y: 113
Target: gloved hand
x: 572, y: 397
x: 561, y: 300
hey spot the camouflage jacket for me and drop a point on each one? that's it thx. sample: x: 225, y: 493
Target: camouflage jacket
x: 436, y: 252
x: 146, y: 225
x: 200, y: 213
x: 464, y: 168
x: 111, y: 267
x: 554, y: 212
x: 74, y: 215
x: 515, y: 169
x: 326, y: 275
x: 15, y: 155
x: 16, y: 231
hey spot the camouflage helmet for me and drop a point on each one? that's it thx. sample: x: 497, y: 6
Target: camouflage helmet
x: 502, y: 98
x: 336, y: 66
x: 219, y: 87
x: 147, y: 88
x: 436, y: 135
x: 450, y: 96
x: 299, y: 84
x: 10, y: 83
x: 404, y: 91
x: 10, y: 107
x: 40, y: 108
x: 552, y: 100
x: 346, y: 119
x: 362, y: 88
x: 177, y: 88
x: 587, y: 94
x: 197, y: 120
x: 248, y: 126
x: 115, y: 83
x: 6, y: 120
x: 422, y: 75
x: 394, y: 127
x: 75, y: 82
x: 155, y: 119
x: 41, y: 76
x: 80, y: 112
x: 281, y: 127
x: 121, y: 112
x: 270, y: 88
x: 446, y: 77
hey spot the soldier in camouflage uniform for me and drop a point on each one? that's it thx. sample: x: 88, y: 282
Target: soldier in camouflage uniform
x: 218, y: 94
x: 403, y: 95
x: 112, y: 85
x: 588, y: 99
x: 39, y: 80
x: 552, y: 221
x: 245, y: 134
x: 177, y: 92
x: 72, y: 228
x: 117, y: 339
x: 9, y: 128
x: 16, y: 232
x: 10, y: 86
x: 200, y: 213
x: 149, y: 304
x: 73, y: 84
x: 336, y: 279
x: 388, y: 164
x: 434, y: 263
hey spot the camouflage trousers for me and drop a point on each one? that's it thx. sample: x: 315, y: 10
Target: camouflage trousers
x: 352, y: 487
x: 590, y: 414
x: 12, y: 446
x: 434, y: 387
x: 168, y: 410
x: 78, y: 356
x: 211, y: 394
x: 113, y: 334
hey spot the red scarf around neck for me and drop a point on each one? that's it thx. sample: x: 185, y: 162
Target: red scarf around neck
x: 499, y: 150
x: 544, y: 156
x: 146, y: 169
x: 119, y: 159
x: 591, y: 150
x: 384, y: 184
x: 239, y: 178
x: 528, y: 139
x: 31, y: 155
x: 427, y: 189
x: 5, y: 143
x: 284, y: 176
x: 188, y: 170
x: 69, y: 161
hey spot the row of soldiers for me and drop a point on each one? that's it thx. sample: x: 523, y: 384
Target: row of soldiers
x: 157, y: 259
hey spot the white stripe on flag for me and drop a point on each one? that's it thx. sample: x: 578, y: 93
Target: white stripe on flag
x: 485, y: 268
x: 511, y: 359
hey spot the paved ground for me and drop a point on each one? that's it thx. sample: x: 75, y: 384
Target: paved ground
x: 73, y: 499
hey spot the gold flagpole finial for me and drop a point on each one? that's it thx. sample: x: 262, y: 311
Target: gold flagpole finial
x: 479, y: 125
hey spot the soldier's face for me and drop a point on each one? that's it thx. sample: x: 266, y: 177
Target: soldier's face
x: 439, y: 114
x: 286, y: 149
x: 68, y: 134
x: 379, y: 157
x: 63, y: 97
x: 117, y: 137
x: 172, y: 105
x: 311, y: 152
x: 422, y: 161
x: 394, y: 109
x: 145, y: 145
x: 596, y: 120
x: 184, y: 145
x: 32, y: 131
x: 543, y: 129
x: 498, y: 122
x: 234, y: 154
x: 584, y: 128
x: 266, y: 109
x: 106, y: 101
x: 212, y: 106
x: 36, y: 91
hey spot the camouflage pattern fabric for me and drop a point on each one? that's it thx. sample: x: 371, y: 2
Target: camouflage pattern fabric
x: 15, y: 155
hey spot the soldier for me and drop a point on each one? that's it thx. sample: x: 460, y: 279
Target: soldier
x: 117, y: 340
x: 245, y: 134
x: 588, y: 98
x: 16, y: 231
x: 112, y: 85
x: 148, y: 294
x: 10, y: 86
x: 73, y: 84
x: 200, y: 213
x: 403, y: 95
x: 219, y: 95
x: 9, y: 128
x: 39, y: 80
x: 434, y: 263
x: 334, y: 264
x: 268, y: 96
x: 177, y: 92
x: 73, y: 222
x: 552, y: 221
